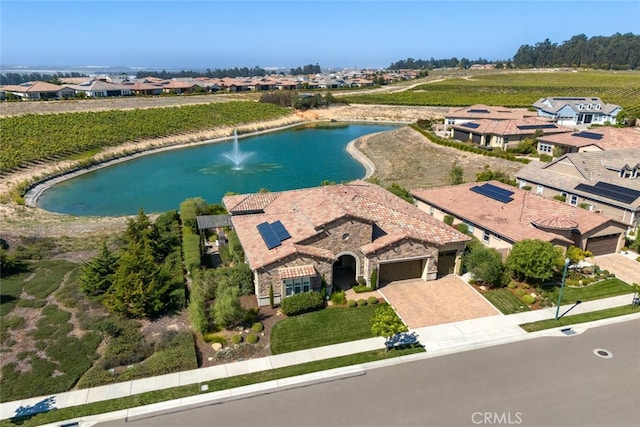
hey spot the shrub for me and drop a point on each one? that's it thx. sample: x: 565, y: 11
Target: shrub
x: 361, y: 281
x: 191, y: 249
x: 560, y: 198
x: 210, y: 338
x: 352, y: 303
x: 252, y: 338
x: 362, y: 302
x: 521, y: 292
x: 360, y: 289
x: 302, y: 303
x: 236, y: 339
x: 257, y: 327
x: 372, y: 300
x: 448, y: 219
x: 339, y: 297
x: 512, y: 285
x: 528, y: 299
x: 374, y: 278
x: 545, y: 158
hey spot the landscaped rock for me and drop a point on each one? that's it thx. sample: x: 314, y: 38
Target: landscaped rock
x: 216, y: 346
x: 483, y: 288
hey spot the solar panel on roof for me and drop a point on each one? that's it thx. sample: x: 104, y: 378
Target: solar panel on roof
x: 610, y: 191
x: 268, y: 235
x: 280, y: 231
x: 493, y: 192
x: 478, y: 111
x: 471, y: 125
x: 588, y: 135
x: 544, y: 126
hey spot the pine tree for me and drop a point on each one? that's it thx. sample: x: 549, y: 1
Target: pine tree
x: 97, y: 274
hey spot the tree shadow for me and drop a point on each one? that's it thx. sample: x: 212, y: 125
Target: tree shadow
x: 24, y: 413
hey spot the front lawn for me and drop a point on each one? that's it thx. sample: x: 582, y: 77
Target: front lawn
x: 606, y: 288
x: 505, y: 301
x: 324, y: 327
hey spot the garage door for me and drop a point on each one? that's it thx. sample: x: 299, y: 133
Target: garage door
x: 458, y: 135
x: 401, y: 270
x: 602, y: 245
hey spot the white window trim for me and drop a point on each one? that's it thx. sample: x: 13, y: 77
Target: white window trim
x: 540, y: 189
x: 573, y: 200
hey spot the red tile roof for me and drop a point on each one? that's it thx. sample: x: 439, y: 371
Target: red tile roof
x: 298, y: 271
x: 306, y: 212
x: 513, y: 220
x: 611, y: 138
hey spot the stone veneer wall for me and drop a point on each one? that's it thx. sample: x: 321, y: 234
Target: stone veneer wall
x: 270, y: 276
x: 404, y: 249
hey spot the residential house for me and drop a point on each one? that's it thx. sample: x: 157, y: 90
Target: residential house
x: 177, y: 87
x: 38, y: 90
x: 457, y: 115
x: 295, y: 239
x: 500, y: 215
x: 576, y: 111
x: 503, y: 134
x: 607, y: 182
x: 596, y: 139
x: 100, y: 89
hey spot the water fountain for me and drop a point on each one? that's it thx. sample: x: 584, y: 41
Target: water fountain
x: 235, y: 155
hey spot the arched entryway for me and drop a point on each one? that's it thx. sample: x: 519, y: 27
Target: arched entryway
x: 345, y: 270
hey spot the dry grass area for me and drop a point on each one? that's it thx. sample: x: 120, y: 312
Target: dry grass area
x: 407, y: 158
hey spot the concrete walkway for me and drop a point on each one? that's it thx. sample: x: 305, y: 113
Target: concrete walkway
x: 438, y: 340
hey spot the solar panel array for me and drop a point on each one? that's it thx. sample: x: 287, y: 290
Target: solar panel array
x: 478, y: 111
x: 494, y: 192
x: 543, y: 126
x: 588, y: 135
x: 273, y: 234
x: 610, y: 191
x: 471, y: 125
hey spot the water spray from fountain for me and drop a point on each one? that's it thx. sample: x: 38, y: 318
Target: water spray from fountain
x: 235, y: 155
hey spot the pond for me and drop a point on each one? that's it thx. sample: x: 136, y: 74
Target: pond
x: 299, y: 157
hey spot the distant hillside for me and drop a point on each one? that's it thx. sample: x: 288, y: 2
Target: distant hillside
x: 617, y: 52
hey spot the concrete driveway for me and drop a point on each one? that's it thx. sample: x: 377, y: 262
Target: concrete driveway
x: 625, y: 268
x: 445, y: 300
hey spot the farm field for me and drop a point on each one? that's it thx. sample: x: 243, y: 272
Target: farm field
x: 515, y: 89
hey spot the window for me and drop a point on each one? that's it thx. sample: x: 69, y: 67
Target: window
x: 470, y: 227
x: 431, y: 210
x: 545, y: 148
x: 296, y: 285
x: 597, y: 106
x: 573, y: 200
x: 540, y: 189
x: 523, y: 183
x: 485, y: 236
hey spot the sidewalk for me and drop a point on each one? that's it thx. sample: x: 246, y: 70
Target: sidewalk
x: 438, y: 340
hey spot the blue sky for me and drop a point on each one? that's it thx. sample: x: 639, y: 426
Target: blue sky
x: 221, y: 34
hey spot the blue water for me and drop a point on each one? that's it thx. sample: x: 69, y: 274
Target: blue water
x: 284, y: 160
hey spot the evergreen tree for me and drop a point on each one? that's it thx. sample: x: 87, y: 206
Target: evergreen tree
x: 97, y: 274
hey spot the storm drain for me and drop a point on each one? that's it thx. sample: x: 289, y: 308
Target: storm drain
x: 568, y: 331
x: 605, y: 354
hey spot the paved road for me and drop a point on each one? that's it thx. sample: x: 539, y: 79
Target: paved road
x: 551, y: 381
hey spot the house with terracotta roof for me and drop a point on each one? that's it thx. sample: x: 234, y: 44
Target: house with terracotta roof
x: 457, y: 115
x: 39, y: 90
x: 595, y: 139
x: 500, y: 215
x: 607, y: 182
x: 577, y: 111
x: 503, y: 134
x: 294, y: 239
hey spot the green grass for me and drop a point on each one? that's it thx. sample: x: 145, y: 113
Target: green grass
x: 579, y: 318
x: 505, y: 301
x: 215, y: 385
x: 516, y: 90
x: 324, y: 327
x: 606, y: 288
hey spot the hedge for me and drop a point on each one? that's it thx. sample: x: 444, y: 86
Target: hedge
x: 302, y: 303
x: 191, y: 249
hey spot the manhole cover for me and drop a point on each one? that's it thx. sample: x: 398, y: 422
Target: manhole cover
x: 605, y: 354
